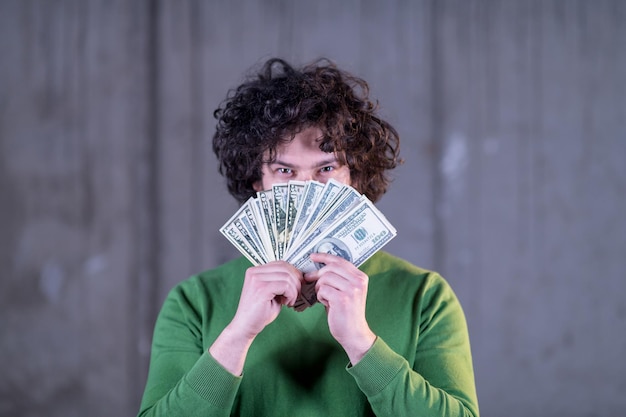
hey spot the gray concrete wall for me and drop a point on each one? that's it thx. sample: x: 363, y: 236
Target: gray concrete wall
x: 513, y: 123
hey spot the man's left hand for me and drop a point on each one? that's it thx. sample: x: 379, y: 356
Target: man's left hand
x: 342, y: 289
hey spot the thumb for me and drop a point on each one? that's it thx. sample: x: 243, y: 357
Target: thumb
x: 311, y: 276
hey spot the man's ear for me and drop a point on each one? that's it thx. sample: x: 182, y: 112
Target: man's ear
x: 258, y: 185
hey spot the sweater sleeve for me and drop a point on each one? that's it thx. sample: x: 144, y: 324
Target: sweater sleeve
x: 441, y: 380
x: 184, y: 379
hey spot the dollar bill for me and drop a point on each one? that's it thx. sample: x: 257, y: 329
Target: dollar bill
x: 267, y: 213
x: 330, y: 191
x: 256, y: 209
x: 295, y: 191
x: 240, y: 242
x: 241, y: 229
x: 295, y: 219
x: 349, y: 200
x: 279, y: 193
x: 308, y: 202
x: 246, y: 223
x: 355, y: 237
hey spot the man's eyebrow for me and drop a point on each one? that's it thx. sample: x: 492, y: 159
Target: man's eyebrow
x: 279, y: 162
x: 324, y: 162
x: 329, y: 161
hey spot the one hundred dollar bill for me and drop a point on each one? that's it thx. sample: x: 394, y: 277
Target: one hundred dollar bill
x: 308, y: 203
x: 355, y: 237
x: 267, y: 214
x: 295, y: 219
x: 294, y: 195
x: 233, y: 234
x: 279, y: 193
x: 350, y: 199
x: 329, y: 193
x: 241, y: 229
x: 258, y: 213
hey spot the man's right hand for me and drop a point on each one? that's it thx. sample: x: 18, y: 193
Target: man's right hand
x: 265, y: 289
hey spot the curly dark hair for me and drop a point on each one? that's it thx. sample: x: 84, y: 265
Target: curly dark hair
x: 279, y: 101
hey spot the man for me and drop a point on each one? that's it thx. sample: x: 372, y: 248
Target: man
x: 385, y: 339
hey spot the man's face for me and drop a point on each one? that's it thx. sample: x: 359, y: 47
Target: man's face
x: 303, y: 160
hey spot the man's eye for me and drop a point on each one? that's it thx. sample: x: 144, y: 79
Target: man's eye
x: 327, y: 169
x: 284, y: 170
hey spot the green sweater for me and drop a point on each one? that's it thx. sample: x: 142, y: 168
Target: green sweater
x: 420, y: 364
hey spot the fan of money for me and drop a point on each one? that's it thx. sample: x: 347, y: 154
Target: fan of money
x: 294, y: 219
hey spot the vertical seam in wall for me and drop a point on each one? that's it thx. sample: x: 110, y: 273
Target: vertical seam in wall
x: 154, y: 146
x: 144, y: 297
x: 436, y: 106
x: 196, y: 172
x: 286, y: 32
x: 536, y: 170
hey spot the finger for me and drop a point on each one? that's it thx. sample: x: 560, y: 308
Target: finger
x: 327, y: 258
x: 280, y: 291
x: 348, y: 273
x: 338, y: 265
x: 351, y: 288
x: 326, y: 295
x: 281, y: 299
x: 333, y: 280
x: 291, y: 295
x: 276, y: 267
x: 276, y: 271
x: 311, y: 276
